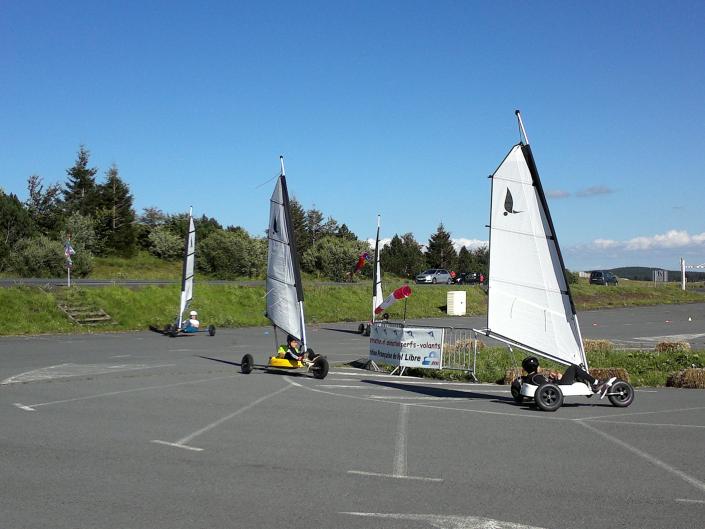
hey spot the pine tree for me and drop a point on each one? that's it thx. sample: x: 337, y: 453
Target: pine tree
x: 81, y: 191
x: 44, y: 206
x: 440, y: 252
x: 116, y: 218
x: 15, y: 224
x: 298, y: 225
x: 402, y: 256
x: 465, y: 260
x: 345, y: 233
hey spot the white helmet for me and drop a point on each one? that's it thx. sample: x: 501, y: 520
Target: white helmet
x: 193, y: 313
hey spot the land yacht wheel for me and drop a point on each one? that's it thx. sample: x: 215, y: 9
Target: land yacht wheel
x: 516, y: 391
x: 320, y: 368
x: 621, y: 394
x: 548, y: 397
x: 246, y: 364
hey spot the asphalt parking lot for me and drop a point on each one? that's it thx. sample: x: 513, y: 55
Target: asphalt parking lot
x: 139, y: 430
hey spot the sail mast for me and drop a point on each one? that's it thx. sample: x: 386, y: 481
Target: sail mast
x: 294, y: 254
x: 376, y: 277
x: 530, y: 304
x: 188, y: 267
x: 528, y: 154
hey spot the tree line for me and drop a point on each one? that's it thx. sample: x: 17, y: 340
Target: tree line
x: 99, y: 219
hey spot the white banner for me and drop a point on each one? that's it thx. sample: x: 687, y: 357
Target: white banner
x: 407, y: 346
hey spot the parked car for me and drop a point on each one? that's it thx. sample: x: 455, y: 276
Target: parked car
x: 434, y: 275
x: 602, y: 277
x: 467, y: 278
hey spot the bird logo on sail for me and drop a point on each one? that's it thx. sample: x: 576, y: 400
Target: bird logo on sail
x: 509, y: 204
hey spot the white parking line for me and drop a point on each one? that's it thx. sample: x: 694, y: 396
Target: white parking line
x: 31, y: 407
x: 442, y: 521
x: 182, y: 443
x: 685, y: 477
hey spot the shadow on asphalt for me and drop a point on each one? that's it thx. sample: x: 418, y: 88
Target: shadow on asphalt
x: 432, y: 391
x: 263, y: 368
x: 347, y: 331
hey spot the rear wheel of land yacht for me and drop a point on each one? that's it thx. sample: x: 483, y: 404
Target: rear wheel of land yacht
x: 516, y: 391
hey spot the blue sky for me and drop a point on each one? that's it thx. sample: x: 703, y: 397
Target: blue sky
x: 395, y: 107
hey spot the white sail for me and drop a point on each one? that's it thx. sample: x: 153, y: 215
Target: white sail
x: 529, y: 304
x: 188, y: 267
x: 377, y: 296
x: 284, y: 290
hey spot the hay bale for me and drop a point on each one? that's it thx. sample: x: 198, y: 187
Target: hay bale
x: 598, y: 346
x: 514, y: 372
x: 672, y: 347
x: 692, y: 378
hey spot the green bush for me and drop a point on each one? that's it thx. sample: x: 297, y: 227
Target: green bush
x: 164, y: 244
x: 37, y: 257
x: 232, y: 254
x: 333, y: 257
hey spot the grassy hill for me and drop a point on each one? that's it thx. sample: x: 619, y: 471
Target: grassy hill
x: 32, y: 310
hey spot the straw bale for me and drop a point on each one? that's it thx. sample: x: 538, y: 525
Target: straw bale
x: 692, y: 378
x: 598, y: 346
x: 672, y: 347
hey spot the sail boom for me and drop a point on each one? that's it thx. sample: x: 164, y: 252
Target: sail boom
x: 524, y: 347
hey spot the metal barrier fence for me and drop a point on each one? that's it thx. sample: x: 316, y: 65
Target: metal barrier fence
x: 459, y: 346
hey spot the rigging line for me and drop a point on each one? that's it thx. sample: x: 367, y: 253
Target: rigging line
x: 525, y: 233
x: 265, y: 183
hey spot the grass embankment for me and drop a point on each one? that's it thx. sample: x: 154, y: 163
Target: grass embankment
x: 631, y: 294
x: 35, y: 311
x: 142, y: 266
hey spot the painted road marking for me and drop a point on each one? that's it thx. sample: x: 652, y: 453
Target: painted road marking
x: 685, y: 500
x: 671, y: 337
x: 75, y: 370
x: 182, y: 443
x: 447, y: 521
x: 400, y: 452
x: 685, y: 477
x: 111, y: 393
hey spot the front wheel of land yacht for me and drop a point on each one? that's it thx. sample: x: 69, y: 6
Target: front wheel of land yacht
x: 516, y: 391
x: 320, y: 368
x: 368, y: 329
x: 211, y: 330
x: 361, y: 328
x: 548, y: 397
x: 246, y: 364
x: 621, y: 394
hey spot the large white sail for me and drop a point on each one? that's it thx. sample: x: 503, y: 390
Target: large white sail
x: 377, y: 296
x: 187, y: 273
x: 530, y: 304
x: 284, y: 290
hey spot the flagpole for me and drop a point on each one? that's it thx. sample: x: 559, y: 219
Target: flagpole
x: 68, y: 268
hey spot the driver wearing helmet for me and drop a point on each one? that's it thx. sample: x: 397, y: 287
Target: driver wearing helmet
x: 291, y: 350
x: 530, y: 364
x: 192, y: 324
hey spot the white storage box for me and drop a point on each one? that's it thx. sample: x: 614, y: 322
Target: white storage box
x: 455, y: 302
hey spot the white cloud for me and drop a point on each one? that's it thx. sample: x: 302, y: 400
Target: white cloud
x: 469, y: 243
x: 382, y: 242
x: 594, y: 191
x: 605, y: 243
x: 558, y: 194
x: 670, y: 239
